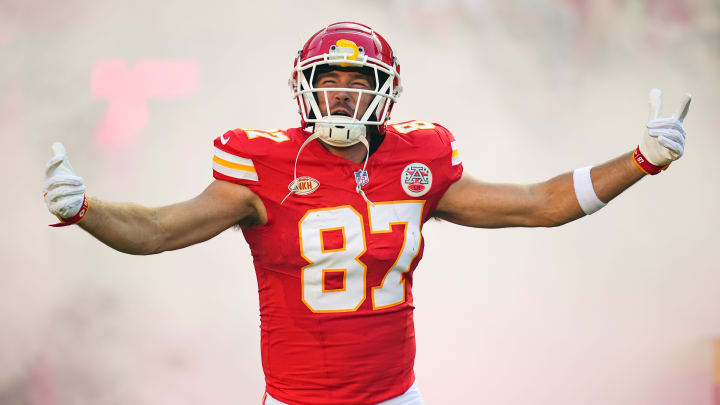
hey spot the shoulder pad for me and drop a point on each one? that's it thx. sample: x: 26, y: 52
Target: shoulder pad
x: 237, y: 152
x: 253, y: 142
x: 414, y: 127
x: 428, y: 134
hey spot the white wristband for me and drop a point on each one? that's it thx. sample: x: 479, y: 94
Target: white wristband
x: 584, y: 191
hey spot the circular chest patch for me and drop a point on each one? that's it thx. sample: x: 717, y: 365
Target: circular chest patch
x: 416, y: 179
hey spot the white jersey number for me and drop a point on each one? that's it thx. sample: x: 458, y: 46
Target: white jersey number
x: 346, y: 259
x: 410, y: 126
x: 275, y: 135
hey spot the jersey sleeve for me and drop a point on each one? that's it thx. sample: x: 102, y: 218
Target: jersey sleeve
x: 233, y: 159
x: 446, y: 165
x: 451, y: 155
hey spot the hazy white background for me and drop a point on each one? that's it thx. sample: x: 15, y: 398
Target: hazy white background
x: 618, y: 308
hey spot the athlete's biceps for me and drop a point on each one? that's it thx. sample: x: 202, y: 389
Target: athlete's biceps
x: 220, y: 206
x: 472, y: 202
x: 460, y: 201
x: 231, y: 203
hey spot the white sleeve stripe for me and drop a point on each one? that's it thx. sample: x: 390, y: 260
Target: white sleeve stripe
x: 456, y: 160
x: 232, y: 158
x: 238, y: 174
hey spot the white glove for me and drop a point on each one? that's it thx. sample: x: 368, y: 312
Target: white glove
x: 664, y: 139
x: 64, y: 192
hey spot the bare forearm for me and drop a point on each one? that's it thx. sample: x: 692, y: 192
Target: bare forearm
x: 609, y: 180
x: 126, y: 227
x: 613, y: 177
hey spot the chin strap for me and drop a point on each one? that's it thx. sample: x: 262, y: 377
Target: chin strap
x: 294, y: 188
x: 311, y: 138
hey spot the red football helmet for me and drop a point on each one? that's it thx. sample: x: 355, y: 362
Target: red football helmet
x: 346, y: 45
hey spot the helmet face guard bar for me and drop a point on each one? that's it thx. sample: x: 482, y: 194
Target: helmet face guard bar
x: 305, y: 93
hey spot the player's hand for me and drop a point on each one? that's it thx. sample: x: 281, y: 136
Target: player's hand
x: 64, y: 191
x: 664, y: 139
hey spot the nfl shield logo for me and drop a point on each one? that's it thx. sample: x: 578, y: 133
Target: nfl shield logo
x: 361, y: 177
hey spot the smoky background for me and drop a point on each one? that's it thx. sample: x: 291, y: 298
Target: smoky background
x: 617, y: 308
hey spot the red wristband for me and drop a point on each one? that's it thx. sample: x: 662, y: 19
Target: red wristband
x: 644, y: 165
x: 76, y: 218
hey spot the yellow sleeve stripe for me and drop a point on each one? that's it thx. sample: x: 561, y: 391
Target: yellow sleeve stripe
x: 234, y: 173
x: 456, y: 160
x: 231, y: 165
x: 232, y: 158
x: 234, y: 166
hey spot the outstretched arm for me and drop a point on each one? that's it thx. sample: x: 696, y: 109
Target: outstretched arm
x: 135, y: 229
x: 471, y: 202
x: 556, y: 201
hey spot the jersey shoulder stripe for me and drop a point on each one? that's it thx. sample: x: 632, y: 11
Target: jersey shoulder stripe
x: 234, y: 166
x: 456, y: 160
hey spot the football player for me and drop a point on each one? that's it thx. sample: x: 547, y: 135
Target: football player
x: 333, y: 213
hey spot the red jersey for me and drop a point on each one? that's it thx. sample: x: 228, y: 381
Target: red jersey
x: 334, y: 272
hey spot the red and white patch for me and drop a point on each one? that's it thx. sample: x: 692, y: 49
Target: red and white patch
x: 416, y: 179
x: 304, y: 185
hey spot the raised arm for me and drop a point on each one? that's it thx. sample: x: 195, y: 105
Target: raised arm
x: 135, y: 229
x: 471, y: 202
x: 571, y: 195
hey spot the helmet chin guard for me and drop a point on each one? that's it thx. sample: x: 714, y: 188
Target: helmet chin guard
x: 334, y: 131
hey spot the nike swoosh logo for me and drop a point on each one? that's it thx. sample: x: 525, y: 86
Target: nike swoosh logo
x: 223, y: 140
